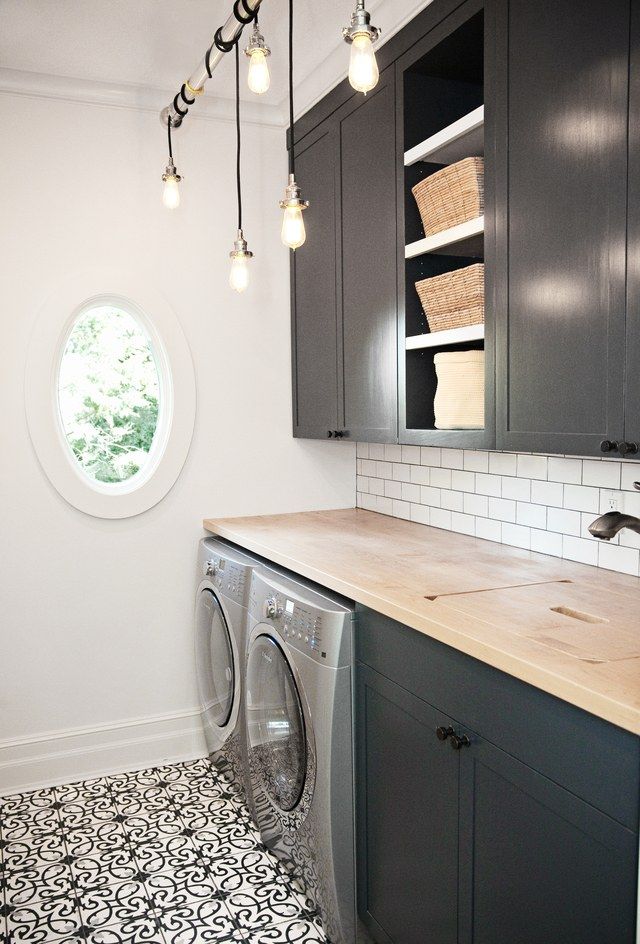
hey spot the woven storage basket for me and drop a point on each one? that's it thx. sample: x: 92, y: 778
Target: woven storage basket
x: 459, y: 399
x: 455, y: 299
x: 452, y: 195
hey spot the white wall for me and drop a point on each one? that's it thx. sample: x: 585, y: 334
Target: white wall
x: 96, y: 614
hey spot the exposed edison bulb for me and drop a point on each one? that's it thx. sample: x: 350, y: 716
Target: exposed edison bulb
x: 363, y: 68
x: 171, y: 191
x: 258, y: 78
x: 239, y: 275
x: 293, y: 232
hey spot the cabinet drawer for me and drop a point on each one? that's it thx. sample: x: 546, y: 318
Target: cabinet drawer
x: 595, y: 760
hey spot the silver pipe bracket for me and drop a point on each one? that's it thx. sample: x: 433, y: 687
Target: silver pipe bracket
x: 176, y: 120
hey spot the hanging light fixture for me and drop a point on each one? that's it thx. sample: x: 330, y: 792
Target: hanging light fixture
x: 171, y: 178
x: 258, y: 78
x: 239, y: 255
x: 293, y: 232
x: 363, y: 68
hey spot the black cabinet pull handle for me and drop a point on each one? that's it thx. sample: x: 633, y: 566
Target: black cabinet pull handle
x: 458, y: 741
x: 338, y: 433
x: 608, y: 445
x: 329, y: 434
x: 443, y: 733
x: 627, y: 448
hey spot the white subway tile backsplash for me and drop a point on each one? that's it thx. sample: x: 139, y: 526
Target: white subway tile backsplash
x: 463, y: 481
x: 602, y: 474
x: 411, y: 454
x: 581, y: 498
x: 441, y: 478
x: 566, y: 470
x: 535, y: 502
x: 516, y: 489
x: 503, y: 463
x: 532, y: 467
x: 476, y: 461
x: 547, y: 493
x: 533, y: 516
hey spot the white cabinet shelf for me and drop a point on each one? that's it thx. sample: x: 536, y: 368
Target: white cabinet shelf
x: 463, y: 138
x: 442, y: 338
x: 458, y: 240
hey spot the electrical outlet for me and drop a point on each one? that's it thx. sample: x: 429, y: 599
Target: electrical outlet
x: 612, y: 501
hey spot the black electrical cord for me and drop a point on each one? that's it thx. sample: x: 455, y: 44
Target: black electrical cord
x: 238, y: 182
x: 292, y: 160
x: 169, y: 136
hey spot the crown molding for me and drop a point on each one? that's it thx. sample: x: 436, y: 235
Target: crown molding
x: 136, y: 97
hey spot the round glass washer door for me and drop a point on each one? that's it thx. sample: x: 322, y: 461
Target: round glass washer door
x: 275, y: 724
x: 216, y: 668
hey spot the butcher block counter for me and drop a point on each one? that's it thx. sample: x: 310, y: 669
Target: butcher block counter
x: 568, y: 629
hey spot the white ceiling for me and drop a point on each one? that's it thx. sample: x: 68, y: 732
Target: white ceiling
x: 158, y: 43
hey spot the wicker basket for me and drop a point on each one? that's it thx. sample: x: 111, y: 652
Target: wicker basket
x: 455, y: 299
x: 451, y: 196
x: 459, y: 399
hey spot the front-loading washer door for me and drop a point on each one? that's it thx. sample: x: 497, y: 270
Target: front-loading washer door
x: 215, y: 659
x: 275, y: 724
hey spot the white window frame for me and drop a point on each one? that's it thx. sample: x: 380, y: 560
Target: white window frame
x: 177, y: 401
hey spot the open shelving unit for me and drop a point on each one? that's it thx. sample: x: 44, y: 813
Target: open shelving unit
x: 443, y: 122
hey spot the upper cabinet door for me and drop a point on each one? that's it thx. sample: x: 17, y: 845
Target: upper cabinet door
x: 369, y: 293
x: 314, y: 309
x: 632, y: 376
x: 561, y: 116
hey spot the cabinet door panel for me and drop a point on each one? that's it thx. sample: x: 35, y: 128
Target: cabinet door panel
x: 407, y: 816
x: 540, y: 864
x: 562, y: 225
x: 632, y: 391
x: 369, y: 280
x: 314, y: 300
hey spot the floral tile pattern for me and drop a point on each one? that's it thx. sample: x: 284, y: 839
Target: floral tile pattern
x: 161, y: 856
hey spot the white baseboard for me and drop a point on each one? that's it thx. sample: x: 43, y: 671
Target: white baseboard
x: 79, y: 753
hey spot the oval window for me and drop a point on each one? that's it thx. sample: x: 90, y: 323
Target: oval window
x: 109, y: 395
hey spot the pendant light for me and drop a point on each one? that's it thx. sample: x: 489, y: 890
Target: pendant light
x: 293, y: 232
x: 171, y: 178
x: 239, y: 255
x: 363, y: 68
x: 258, y: 77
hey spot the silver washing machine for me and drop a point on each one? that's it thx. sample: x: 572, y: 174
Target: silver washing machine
x: 299, y: 739
x: 220, y: 643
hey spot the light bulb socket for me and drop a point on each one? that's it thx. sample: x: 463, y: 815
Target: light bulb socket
x: 293, y: 196
x: 240, y: 248
x: 170, y: 171
x: 360, y: 25
x: 257, y: 43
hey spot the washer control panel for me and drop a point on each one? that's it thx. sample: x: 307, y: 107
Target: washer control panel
x: 228, y: 576
x: 322, y: 633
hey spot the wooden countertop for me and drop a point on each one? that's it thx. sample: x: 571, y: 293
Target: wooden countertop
x: 569, y: 629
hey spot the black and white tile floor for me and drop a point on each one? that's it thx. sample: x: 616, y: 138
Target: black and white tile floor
x: 162, y: 856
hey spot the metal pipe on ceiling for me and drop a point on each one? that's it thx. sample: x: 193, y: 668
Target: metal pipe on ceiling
x: 194, y: 86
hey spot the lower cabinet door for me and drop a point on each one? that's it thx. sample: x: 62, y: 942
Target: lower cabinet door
x: 407, y: 816
x: 538, y: 865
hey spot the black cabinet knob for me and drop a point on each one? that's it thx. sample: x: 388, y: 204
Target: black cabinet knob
x: 459, y: 740
x: 443, y: 733
x: 627, y: 448
x: 329, y: 434
x: 608, y: 445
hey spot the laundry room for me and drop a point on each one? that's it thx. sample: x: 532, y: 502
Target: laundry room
x: 320, y: 572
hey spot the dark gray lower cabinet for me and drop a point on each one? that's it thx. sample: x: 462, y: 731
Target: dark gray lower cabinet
x: 475, y: 845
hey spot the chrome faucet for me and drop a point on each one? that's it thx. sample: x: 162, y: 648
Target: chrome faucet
x: 607, y: 526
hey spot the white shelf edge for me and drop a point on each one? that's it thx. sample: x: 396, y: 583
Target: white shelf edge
x: 450, y: 336
x: 447, y: 136
x: 447, y: 237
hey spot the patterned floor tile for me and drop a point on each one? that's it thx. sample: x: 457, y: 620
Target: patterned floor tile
x: 163, y: 856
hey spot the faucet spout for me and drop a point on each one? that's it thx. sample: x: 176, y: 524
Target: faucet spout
x: 607, y: 526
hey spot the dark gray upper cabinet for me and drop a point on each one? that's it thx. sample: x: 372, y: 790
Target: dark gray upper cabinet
x: 632, y: 373
x: 314, y: 300
x: 561, y: 115
x: 344, y: 289
x: 369, y: 291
